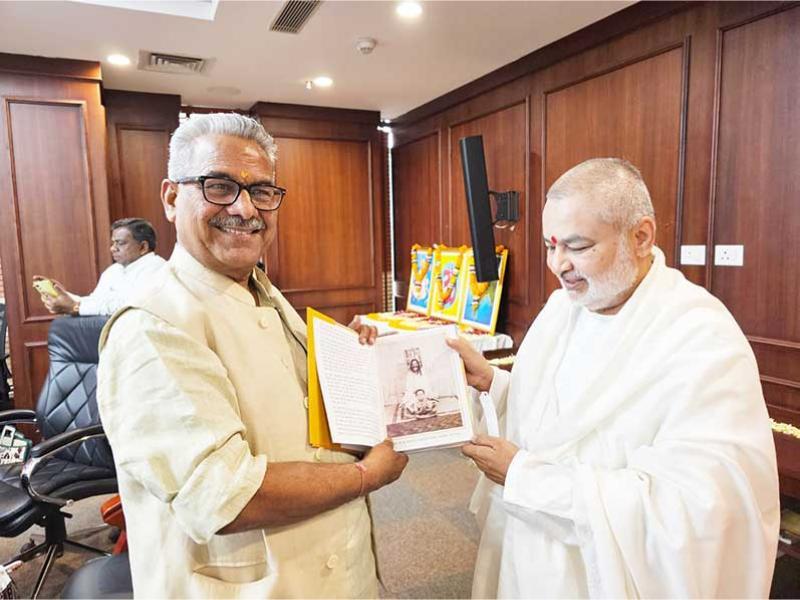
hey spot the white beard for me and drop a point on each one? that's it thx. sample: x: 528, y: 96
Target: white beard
x: 602, y: 290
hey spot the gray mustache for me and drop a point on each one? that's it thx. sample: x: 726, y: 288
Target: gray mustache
x: 254, y: 224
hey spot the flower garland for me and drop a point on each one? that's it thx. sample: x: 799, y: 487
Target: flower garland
x: 785, y: 428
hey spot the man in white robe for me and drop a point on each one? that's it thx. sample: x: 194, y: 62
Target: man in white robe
x: 636, y: 458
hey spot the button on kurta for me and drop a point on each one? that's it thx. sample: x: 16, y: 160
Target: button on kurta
x: 263, y: 322
x: 333, y: 560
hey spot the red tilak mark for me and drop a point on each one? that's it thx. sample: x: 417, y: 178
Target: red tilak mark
x: 553, y: 240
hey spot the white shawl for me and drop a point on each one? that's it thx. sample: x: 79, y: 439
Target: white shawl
x: 661, y: 481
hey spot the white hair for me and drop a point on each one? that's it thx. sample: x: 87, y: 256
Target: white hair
x: 182, y: 143
x: 612, y: 186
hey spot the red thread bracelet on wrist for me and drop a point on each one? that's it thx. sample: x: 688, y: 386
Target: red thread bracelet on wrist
x: 362, y: 469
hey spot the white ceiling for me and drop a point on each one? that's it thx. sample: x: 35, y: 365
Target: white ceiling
x: 451, y: 44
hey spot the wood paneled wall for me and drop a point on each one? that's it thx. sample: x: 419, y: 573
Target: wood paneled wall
x: 329, y: 251
x: 139, y: 129
x: 702, y: 97
x: 52, y: 189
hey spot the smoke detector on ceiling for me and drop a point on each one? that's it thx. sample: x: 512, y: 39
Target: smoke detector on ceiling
x: 366, y: 45
x: 173, y: 63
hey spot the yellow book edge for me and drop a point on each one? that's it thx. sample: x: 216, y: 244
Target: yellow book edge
x: 319, y: 435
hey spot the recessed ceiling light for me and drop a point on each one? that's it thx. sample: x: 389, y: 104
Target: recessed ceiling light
x: 119, y: 59
x: 409, y: 10
x: 323, y: 81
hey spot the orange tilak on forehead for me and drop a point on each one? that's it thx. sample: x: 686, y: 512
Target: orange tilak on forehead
x: 244, y: 175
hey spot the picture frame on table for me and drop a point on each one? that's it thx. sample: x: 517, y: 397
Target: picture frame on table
x: 448, y: 280
x: 480, y: 302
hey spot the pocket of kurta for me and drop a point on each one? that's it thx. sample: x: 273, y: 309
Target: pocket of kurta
x: 234, y: 558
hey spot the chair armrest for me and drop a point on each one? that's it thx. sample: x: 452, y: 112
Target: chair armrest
x: 17, y: 415
x: 42, y: 451
x: 62, y: 440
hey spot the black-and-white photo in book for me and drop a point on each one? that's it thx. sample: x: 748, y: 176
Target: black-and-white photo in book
x: 408, y: 386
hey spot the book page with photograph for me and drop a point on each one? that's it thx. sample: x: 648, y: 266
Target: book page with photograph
x: 348, y: 378
x: 424, y: 390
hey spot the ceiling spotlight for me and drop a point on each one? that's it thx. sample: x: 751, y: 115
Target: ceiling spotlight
x: 119, y: 60
x: 309, y: 84
x: 409, y: 10
x: 323, y: 81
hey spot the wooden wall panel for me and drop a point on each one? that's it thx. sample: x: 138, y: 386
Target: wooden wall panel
x: 417, y: 209
x: 44, y: 196
x: 140, y: 181
x: 756, y: 202
x: 53, y: 196
x: 632, y: 112
x: 38, y: 363
x: 329, y: 250
x: 329, y: 200
x: 139, y: 129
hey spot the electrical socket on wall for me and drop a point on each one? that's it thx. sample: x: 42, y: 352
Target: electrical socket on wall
x: 693, y: 255
x: 729, y: 256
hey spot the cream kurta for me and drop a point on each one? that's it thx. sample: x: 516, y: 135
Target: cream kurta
x: 199, y: 389
x: 657, y: 479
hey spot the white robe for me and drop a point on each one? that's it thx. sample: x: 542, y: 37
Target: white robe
x: 658, y: 480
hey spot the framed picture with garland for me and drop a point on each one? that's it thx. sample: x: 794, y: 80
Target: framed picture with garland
x: 480, y: 302
x: 448, y: 280
x: 420, y: 282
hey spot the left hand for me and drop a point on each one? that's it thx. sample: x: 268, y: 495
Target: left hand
x: 367, y: 334
x: 491, y: 455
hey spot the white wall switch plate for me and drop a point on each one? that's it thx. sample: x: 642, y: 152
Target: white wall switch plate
x: 693, y: 255
x: 729, y: 256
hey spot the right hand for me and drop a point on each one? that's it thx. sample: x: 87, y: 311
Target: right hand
x: 479, y: 372
x: 63, y: 304
x: 383, y: 464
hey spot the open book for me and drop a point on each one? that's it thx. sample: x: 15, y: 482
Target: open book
x: 410, y: 387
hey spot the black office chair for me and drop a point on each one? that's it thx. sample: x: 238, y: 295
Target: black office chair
x: 68, y: 464
x: 103, y: 578
x: 6, y: 389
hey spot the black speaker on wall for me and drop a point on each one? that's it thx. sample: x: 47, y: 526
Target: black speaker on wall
x: 479, y: 208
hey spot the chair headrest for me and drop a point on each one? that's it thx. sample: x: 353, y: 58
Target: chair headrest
x: 75, y: 339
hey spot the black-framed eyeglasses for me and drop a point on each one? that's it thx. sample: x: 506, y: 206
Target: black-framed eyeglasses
x: 224, y: 191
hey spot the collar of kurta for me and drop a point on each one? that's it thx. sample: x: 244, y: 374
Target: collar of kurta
x: 139, y: 262
x: 186, y: 263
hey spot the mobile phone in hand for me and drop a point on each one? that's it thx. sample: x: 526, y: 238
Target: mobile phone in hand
x: 46, y: 288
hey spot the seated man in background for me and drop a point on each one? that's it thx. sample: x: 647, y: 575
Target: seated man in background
x: 202, y: 390
x: 637, y: 458
x: 133, y: 244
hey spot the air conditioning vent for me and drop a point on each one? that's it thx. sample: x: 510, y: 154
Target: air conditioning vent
x: 294, y: 15
x: 171, y: 63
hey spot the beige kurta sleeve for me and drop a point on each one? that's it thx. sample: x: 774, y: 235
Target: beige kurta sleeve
x: 169, y: 411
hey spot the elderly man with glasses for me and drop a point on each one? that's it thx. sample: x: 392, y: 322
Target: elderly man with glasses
x: 202, y: 389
